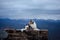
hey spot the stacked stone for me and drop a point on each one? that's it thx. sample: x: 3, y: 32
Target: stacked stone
x: 27, y: 35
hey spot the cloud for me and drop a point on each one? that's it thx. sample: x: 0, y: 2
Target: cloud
x: 43, y: 9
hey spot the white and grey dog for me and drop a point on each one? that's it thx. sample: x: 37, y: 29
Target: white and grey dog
x: 32, y: 24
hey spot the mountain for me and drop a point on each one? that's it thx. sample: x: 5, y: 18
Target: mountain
x: 12, y: 23
x: 41, y: 23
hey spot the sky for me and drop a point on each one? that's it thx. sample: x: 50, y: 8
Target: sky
x: 30, y: 9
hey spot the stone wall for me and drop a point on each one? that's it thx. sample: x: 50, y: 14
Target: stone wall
x: 27, y: 35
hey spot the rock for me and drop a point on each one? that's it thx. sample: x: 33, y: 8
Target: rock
x: 27, y: 35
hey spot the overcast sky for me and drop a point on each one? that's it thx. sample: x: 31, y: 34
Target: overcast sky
x: 30, y: 9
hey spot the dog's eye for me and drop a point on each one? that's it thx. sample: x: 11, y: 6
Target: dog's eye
x: 32, y: 22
